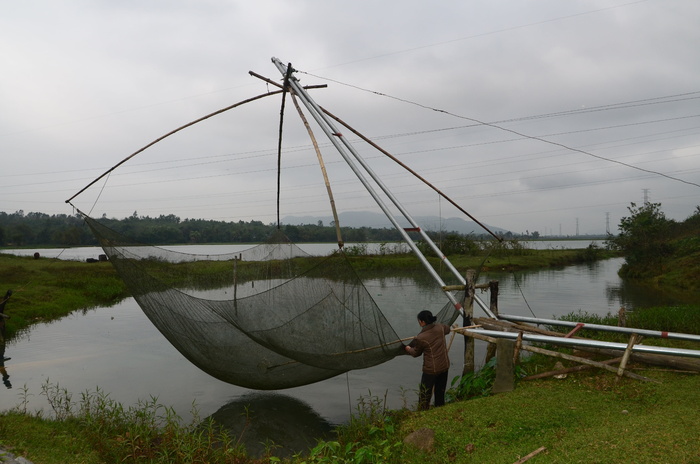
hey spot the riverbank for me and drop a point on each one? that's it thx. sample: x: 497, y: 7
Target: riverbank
x: 582, y: 418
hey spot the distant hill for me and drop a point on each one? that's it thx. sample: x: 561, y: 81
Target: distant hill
x: 377, y: 220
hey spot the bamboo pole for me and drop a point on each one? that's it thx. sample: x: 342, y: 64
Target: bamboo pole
x: 567, y: 370
x: 401, y: 340
x: 469, y: 350
x: 493, y: 306
x: 327, y: 181
x: 518, y: 346
x: 626, y: 356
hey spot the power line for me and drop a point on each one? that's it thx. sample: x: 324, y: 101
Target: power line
x: 521, y: 134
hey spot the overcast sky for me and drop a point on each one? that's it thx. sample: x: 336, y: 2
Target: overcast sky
x: 589, y: 106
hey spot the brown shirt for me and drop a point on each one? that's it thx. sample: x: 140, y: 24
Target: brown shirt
x: 430, y: 342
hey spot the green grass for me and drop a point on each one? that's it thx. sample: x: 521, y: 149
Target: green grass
x: 587, y: 418
x: 46, y: 441
x: 46, y: 289
x: 584, y: 418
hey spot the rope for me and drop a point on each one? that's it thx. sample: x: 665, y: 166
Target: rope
x: 222, y: 110
x: 418, y: 176
x: 517, y: 284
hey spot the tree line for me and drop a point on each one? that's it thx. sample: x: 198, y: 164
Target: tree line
x: 39, y: 229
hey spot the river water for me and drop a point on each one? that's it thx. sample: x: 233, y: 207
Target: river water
x: 118, y: 350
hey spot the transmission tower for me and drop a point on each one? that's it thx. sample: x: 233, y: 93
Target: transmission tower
x: 646, y: 195
x: 607, y: 223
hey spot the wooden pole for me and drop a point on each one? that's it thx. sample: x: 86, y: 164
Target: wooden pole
x: 505, y: 371
x: 569, y: 357
x: 493, y: 306
x: 323, y: 171
x: 625, y: 357
x: 401, y: 340
x: 468, y: 367
x: 531, y: 455
x: 568, y: 370
x: 518, y: 345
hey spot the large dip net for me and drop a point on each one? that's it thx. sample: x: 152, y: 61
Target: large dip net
x: 269, y: 317
x: 272, y: 316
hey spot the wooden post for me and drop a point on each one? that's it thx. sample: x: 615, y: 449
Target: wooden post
x: 516, y: 351
x: 467, y: 321
x: 625, y: 357
x: 493, y: 291
x: 505, y: 372
x: 622, y: 317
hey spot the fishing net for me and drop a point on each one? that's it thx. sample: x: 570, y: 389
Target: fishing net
x: 269, y: 317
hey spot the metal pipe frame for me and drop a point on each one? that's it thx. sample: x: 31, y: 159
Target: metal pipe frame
x: 606, y: 328
x: 588, y: 343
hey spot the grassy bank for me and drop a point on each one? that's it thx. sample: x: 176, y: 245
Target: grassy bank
x: 586, y: 418
x: 583, y: 418
x: 47, y: 289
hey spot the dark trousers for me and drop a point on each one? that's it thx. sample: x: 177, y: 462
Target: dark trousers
x: 428, y: 384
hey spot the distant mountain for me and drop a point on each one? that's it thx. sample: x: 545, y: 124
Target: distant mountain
x: 378, y: 221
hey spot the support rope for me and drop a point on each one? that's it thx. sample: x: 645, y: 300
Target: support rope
x: 418, y: 176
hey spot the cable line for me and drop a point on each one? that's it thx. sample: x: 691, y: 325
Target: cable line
x: 521, y: 134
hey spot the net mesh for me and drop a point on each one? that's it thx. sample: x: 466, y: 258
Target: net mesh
x: 269, y: 317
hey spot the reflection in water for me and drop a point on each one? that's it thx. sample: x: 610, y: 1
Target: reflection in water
x: 631, y: 295
x: 3, y: 316
x: 3, y: 371
x: 260, y: 420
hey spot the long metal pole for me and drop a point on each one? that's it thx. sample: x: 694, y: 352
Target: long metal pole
x: 334, y: 135
x: 589, y: 343
x: 606, y: 328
